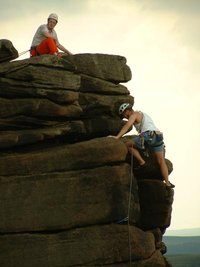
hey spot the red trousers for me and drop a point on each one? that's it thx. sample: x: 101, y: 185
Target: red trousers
x: 47, y: 46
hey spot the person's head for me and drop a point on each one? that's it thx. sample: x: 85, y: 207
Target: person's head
x: 125, y: 110
x: 52, y: 20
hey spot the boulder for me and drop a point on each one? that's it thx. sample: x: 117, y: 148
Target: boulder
x: 107, y: 67
x: 23, y: 199
x: 80, y: 155
x: 7, y: 51
x: 98, y: 245
x: 155, y: 204
x: 69, y: 194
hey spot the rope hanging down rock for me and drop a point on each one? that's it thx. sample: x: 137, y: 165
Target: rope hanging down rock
x: 127, y: 219
x: 129, y: 208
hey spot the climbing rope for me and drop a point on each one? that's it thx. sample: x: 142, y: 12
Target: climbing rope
x: 127, y: 219
x: 24, y: 52
x: 129, y: 208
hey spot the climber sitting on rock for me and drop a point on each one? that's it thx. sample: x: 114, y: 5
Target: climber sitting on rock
x: 45, y: 40
x: 147, y: 133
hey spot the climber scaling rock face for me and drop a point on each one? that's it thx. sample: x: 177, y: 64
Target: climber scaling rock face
x: 66, y: 189
x: 148, y: 136
x: 7, y: 51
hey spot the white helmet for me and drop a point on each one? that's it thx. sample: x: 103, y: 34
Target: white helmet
x: 53, y: 16
x: 123, y: 107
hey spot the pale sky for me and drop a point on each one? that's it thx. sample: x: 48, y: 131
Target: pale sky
x: 161, y: 42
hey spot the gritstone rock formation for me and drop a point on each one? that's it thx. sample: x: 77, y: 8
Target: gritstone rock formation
x: 65, y: 185
x: 7, y: 51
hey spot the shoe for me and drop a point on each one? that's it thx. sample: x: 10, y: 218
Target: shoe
x: 170, y: 185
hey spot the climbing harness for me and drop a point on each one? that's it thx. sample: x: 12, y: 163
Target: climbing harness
x: 151, y: 140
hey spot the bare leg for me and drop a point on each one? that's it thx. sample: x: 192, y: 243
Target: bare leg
x: 132, y: 150
x: 163, y: 166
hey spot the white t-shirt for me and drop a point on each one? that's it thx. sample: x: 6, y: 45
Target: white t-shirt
x: 146, y: 124
x: 39, y: 35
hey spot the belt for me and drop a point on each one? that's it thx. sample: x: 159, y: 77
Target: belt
x: 158, y: 132
x: 151, y: 132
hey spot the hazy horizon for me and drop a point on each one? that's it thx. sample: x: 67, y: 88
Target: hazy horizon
x: 183, y: 232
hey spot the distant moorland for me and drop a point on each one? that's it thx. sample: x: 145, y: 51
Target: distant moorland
x: 182, y: 260
x: 182, y: 244
x: 183, y: 251
x: 183, y: 232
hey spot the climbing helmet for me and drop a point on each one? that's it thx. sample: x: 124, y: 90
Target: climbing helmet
x: 53, y: 16
x: 123, y: 107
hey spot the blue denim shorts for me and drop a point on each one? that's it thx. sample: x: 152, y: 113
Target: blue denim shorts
x: 149, y: 139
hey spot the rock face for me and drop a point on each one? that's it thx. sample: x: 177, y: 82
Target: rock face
x: 65, y: 187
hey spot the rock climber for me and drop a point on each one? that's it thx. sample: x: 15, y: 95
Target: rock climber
x: 147, y: 133
x: 45, y: 40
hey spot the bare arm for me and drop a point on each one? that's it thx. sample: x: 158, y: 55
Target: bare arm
x: 62, y: 48
x: 126, y: 127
